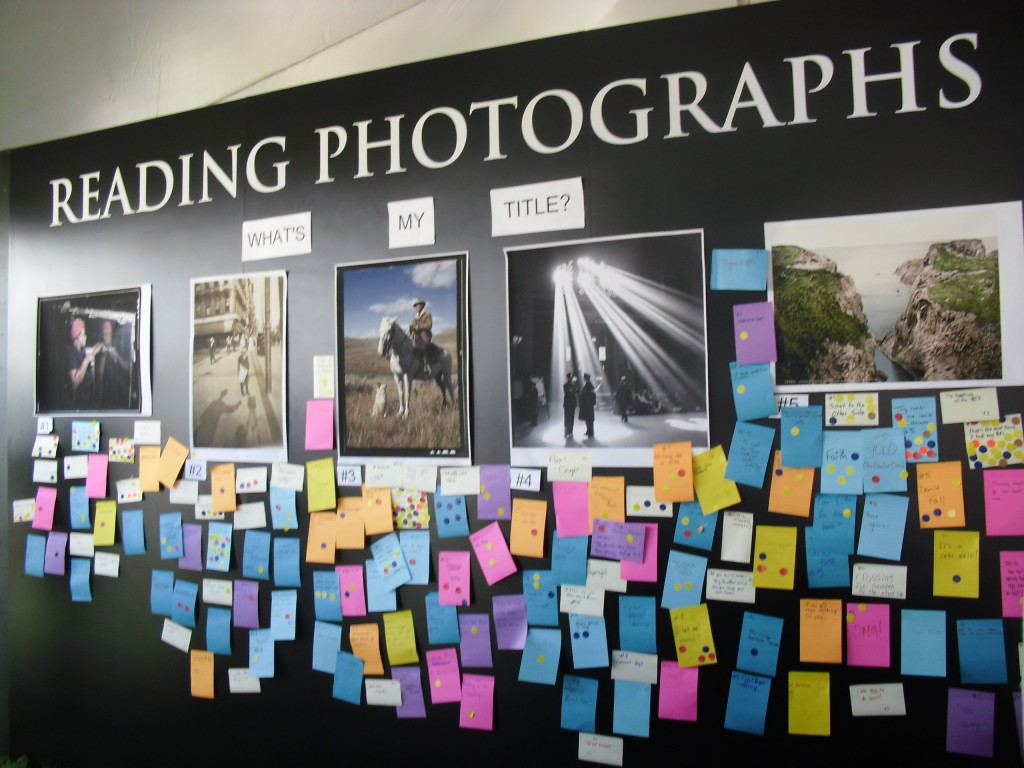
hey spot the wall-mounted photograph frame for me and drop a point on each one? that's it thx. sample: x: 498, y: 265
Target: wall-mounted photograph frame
x: 625, y: 318
x: 238, y: 365
x: 908, y: 299
x: 93, y: 353
x: 402, y: 347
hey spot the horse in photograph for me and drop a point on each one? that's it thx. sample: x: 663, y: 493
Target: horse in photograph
x: 406, y: 364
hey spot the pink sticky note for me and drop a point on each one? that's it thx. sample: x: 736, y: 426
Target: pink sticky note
x: 353, y: 590
x: 46, y: 497
x: 443, y: 676
x: 754, y: 327
x: 96, y: 478
x: 647, y: 571
x: 1011, y: 577
x: 1004, y: 502
x: 571, y: 509
x: 319, y: 425
x: 867, y: 634
x: 677, y: 692
x: 453, y: 581
x: 477, y: 707
x: 492, y: 554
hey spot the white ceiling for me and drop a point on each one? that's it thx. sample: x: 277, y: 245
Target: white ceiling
x: 69, y: 67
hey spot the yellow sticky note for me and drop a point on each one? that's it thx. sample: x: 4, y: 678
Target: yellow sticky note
x: 606, y: 499
x: 714, y: 492
x: 792, y: 489
x: 320, y: 488
x: 940, y: 495
x: 810, y: 704
x: 103, y: 527
x: 400, y: 638
x: 955, y: 571
x: 172, y: 459
x: 149, y: 468
x: 673, y: 471
x: 321, y: 542
x: 377, y: 512
x: 774, y: 556
x: 350, y: 523
x: 529, y: 518
x: 365, y: 642
x: 201, y: 663
x: 691, y: 630
x: 994, y: 443
x: 222, y: 488
x: 821, y: 631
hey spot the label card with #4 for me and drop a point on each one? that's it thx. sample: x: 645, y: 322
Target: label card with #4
x: 524, y: 479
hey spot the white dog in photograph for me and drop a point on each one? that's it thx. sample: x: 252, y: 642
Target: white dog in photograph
x: 380, y: 400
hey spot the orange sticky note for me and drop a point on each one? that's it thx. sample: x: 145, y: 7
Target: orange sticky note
x: 792, y: 489
x: 149, y: 468
x: 171, y: 461
x: 606, y: 499
x: 940, y: 495
x: 323, y: 536
x: 201, y: 663
x: 377, y: 515
x: 529, y: 517
x: 673, y: 471
x: 821, y: 631
x: 365, y: 642
x: 774, y: 556
x: 222, y: 487
x: 350, y: 533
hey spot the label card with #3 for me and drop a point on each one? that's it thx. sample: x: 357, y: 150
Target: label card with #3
x: 349, y: 474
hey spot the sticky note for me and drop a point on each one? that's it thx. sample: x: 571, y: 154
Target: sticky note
x: 222, y: 487
x: 201, y: 674
x: 218, y: 546
x: 774, y: 556
x: 365, y: 642
x: 693, y: 528
x: 842, y: 462
x: 320, y: 487
x: 1004, y: 502
x: 571, y: 502
x: 579, y: 704
x: 916, y: 416
x: 492, y: 555
x: 451, y: 515
x: 529, y: 517
x: 539, y: 663
x: 970, y: 722
x: 760, y: 640
x: 882, y: 526
x: 958, y: 406
x: 443, y: 676
x: 754, y: 332
x: 749, y: 453
x: 851, y: 409
x: 673, y: 471
x: 96, y: 479
x: 810, y: 703
x: 495, y: 499
x: 475, y: 640
x: 791, y: 489
x: 400, y: 638
x: 606, y: 499
x: 753, y: 393
x: 747, y: 705
x: 940, y: 497
x: 691, y: 631
x: 714, y: 491
x: 821, y: 638
x: 802, y: 436
x: 476, y: 708
x: 319, y: 425
x: 684, y: 580
x: 739, y: 269
x: 172, y: 459
x: 867, y: 635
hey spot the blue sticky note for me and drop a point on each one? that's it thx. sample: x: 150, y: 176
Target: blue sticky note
x: 923, y: 643
x: 684, y: 580
x: 827, y: 564
x: 133, y: 532
x: 569, y: 559
x: 388, y: 566
x: 579, y: 704
x: 747, y: 705
x: 739, y: 269
x: 172, y: 547
x: 256, y: 555
x: 753, y: 390
x: 161, y: 592
x: 283, y: 603
x: 835, y: 521
x: 694, y: 528
x: 261, y: 653
x: 416, y: 549
x: 326, y: 644
x: 882, y: 526
x: 540, y: 656
x: 451, y: 515
x: 286, y: 562
x: 78, y: 505
x: 749, y: 452
x: 982, y: 650
x: 588, y: 641
x: 802, y: 436
x: 218, y: 630
x: 540, y: 590
x: 637, y: 624
x: 631, y: 714
x: 348, y: 678
x: 326, y: 596
x: 81, y: 591
x: 442, y: 621
x: 183, y: 609
x: 282, y: 510
x: 760, y: 639
x: 884, y: 463
x: 916, y: 417
x: 35, y: 555
x: 379, y: 599
x: 218, y: 547
x: 842, y: 459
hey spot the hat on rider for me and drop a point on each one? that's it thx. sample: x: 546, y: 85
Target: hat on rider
x: 419, y: 302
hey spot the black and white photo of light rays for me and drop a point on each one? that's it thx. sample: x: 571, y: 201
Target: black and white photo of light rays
x: 607, y: 347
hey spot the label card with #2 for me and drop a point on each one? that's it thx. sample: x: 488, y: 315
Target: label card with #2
x: 195, y: 469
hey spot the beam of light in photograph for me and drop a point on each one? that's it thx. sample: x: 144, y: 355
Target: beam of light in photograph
x: 582, y: 340
x: 559, y: 332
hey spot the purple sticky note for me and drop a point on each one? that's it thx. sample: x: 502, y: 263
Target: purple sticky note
x: 353, y: 590
x: 96, y: 478
x: 475, y: 640
x: 495, y: 499
x: 319, y: 425
x: 613, y: 540
x: 647, y: 571
x: 492, y: 555
x: 192, y: 542
x: 572, y: 516
x: 247, y: 604
x: 476, y: 710
x: 754, y: 327
x: 46, y: 497
x: 677, y: 692
x: 510, y: 621
x: 444, y: 677
x: 970, y: 722
x: 56, y: 547
x: 412, y: 705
